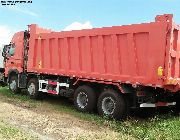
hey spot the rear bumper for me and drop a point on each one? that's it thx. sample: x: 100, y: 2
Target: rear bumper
x: 159, y: 104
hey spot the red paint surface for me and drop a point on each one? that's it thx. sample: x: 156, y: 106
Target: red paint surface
x: 52, y: 83
x: 161, y: 104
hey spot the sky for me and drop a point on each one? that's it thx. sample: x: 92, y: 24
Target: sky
x: 77, y: 14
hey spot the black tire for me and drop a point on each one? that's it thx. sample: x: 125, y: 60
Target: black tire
x: 13, y: 84
x: 119, y: 107
x: 148, y: 112
x: 32, y: 89
x: 177, y: 106
x: 85, y: 99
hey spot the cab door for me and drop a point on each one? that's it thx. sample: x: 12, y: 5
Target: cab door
x: 14, y: 54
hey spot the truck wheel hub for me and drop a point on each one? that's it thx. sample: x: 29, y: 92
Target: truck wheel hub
x: 82, y: 100
x: 31, y: 89
x: 13, y: 85
x: 108, y: 105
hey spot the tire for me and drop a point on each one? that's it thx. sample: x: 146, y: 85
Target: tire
x: 32, y: 89
x: 148, y: 112
x: 85, y: 99
x: 13, y: 84
x: 113, y: 105
x: 177, y: 106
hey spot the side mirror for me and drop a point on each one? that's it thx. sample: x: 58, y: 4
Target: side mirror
x: 4, y: 51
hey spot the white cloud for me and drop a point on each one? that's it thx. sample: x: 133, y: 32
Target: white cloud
x: 24, y: 11
x: 6, y: 34
x: 78, y: 26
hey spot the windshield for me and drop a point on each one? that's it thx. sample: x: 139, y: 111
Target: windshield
x: 8, y: 50
x: 11, y: 50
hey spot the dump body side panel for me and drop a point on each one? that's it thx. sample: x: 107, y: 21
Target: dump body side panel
x: 171, y: 74
x: 130, y: 54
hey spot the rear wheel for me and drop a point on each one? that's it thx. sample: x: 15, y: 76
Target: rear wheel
x: 13, y: 84
x: 177, y: 107
x: 85, y: 99
x: 145, y: 112
x: 32, y: 89
x: 113, y: 105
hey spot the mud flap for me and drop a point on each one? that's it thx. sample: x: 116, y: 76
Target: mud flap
x: 22, y: 80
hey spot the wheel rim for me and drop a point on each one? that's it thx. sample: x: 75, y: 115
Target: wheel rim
x: 13, y: 85
x: 82, y: 100
x: 31, y: 89
x: 108, y: 105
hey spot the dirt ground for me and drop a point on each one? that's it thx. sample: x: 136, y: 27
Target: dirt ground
x: 47, y: 124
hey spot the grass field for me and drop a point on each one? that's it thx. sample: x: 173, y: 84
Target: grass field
x: 160, y: 127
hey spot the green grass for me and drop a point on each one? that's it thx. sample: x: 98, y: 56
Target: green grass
x: 8, y: 132
x: 18, y: 98
x: 160, y: 127
x: 6, y: 92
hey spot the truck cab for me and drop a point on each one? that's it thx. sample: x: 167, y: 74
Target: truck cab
x: 12, y: 53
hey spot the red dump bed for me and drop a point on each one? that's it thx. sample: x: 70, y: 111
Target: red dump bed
x: 146, y: 54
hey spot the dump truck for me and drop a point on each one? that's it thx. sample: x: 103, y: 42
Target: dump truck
x: 110, y: 69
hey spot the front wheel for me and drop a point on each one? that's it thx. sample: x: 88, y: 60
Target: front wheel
x: 113, y: 105
x: 13, y: 84
x: 32, y: 89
